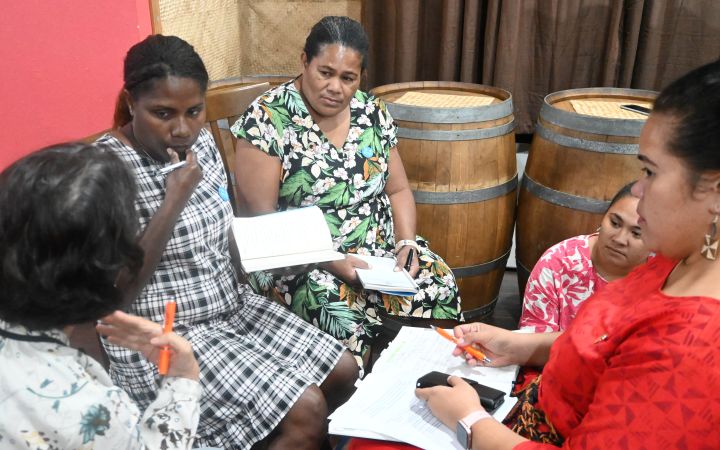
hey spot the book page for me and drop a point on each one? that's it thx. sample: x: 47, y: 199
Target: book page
x: 293, y: 237
x: 381, y: 276
x: 385, y: 402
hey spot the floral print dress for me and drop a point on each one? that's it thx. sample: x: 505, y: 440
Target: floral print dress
x: 348, y: 185
x: 54, y: 397
x: 562, y: 279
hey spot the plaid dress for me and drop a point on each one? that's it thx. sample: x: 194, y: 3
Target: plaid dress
x: 256, y: 358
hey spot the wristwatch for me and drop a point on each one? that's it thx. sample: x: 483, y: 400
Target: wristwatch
x: 463, y: 431
x: 407, y: 242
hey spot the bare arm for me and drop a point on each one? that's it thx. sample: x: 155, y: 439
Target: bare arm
x: 257, y: 175
x: 403, y: 206
x: 180, y: 186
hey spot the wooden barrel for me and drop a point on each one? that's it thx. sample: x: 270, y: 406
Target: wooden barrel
x: 457, y: 143
x: 274, y: 80
x: 577, y: 162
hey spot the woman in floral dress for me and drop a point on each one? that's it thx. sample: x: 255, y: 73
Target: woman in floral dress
x: 334, y: 146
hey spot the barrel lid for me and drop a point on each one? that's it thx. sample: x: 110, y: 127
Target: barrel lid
x: 415, y: 113
x: 595, y: 124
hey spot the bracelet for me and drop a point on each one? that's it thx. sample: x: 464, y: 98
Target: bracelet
x: 407, y: 243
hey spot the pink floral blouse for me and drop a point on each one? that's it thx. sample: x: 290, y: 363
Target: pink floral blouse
x: 562, y: 279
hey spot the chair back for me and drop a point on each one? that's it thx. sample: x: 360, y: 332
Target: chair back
x: 223, y: 106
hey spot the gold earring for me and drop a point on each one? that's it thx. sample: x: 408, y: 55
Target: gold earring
x: 709, y: 250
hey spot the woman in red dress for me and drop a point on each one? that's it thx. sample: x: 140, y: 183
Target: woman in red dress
x: 639, y: 368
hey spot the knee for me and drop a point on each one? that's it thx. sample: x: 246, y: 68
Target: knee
x: 340, y: 383
x: 347, y: 370
x: 308, y: 416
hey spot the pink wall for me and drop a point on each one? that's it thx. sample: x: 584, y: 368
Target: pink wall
x: 62, y: 68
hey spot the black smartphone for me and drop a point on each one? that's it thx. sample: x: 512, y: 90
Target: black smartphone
x: 636, y: 108
x: 490, y: 398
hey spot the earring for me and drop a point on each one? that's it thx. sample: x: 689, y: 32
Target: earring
x: 709, y: 250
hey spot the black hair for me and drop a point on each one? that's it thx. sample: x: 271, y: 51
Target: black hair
x: 155, y: 58
x: 694, y: 102
x: 337, y: 30
x: 68, y: 226
x: 622, y: 193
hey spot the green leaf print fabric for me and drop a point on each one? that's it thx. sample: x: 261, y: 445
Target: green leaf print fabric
x: 348, y: 185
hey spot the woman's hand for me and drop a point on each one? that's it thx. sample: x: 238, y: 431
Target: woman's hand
x: 500, y: 345
x: 146, y: 337
x: 402, y: 256
x: 451, y: 403
x: 345, y: 269
x: 182, y: 182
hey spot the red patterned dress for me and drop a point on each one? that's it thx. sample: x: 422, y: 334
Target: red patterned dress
x: 562, y: 279
x: 637, y: 369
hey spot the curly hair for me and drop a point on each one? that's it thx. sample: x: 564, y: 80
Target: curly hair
x: 68, y: 226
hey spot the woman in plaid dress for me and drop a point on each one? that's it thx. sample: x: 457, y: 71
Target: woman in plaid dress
x: 263, y: 369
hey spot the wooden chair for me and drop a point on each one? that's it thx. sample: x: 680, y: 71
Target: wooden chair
x: 223, y: 106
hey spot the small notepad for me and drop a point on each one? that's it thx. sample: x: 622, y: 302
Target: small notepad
x: 381, y: 276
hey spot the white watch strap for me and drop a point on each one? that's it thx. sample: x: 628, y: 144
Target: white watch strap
x: 473, y: 417
x: 406, y: 243
x: 464, y: 427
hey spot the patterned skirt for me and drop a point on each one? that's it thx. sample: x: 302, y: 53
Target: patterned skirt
x: 254, y: 365
x: 353, y: 316
x: 530, y: 422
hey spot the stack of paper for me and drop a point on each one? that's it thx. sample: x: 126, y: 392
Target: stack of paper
x: 385, y: 407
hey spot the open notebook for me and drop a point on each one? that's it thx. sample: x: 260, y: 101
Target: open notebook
x: 284, y: 239
x: 381, y: 276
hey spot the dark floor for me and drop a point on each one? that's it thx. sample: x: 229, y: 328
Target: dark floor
x: 507, y: 309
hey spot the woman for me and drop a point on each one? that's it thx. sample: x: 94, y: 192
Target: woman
x: 262, y: 369
x: 61, y: 248
x: 638, y: 368
x: 318, y: 140
x: 569, y: 272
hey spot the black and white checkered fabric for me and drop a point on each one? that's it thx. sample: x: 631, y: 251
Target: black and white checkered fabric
x: 256, y: 357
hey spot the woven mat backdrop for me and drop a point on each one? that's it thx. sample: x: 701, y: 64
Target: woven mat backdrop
x: 247, y: 37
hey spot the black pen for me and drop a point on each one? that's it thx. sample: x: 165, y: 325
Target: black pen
x: 408, y: 262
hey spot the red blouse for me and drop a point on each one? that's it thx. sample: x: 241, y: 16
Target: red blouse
x: 637, y: 369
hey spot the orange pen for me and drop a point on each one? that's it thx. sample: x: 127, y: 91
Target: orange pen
x: 477, y: 354
x: 164, y: 358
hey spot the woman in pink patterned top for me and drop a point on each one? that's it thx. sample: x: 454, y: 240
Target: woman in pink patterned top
x: 569, y: 272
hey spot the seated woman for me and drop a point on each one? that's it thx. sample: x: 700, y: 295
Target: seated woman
x: 568, y: 273
x: 638, y: 368
x: 318, y: 140
x: 67, y: 229
x: 262, y: 368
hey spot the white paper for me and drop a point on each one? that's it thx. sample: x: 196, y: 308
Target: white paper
x: 381, y: 276
x: 284, y: 239
x: 385, y: 401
